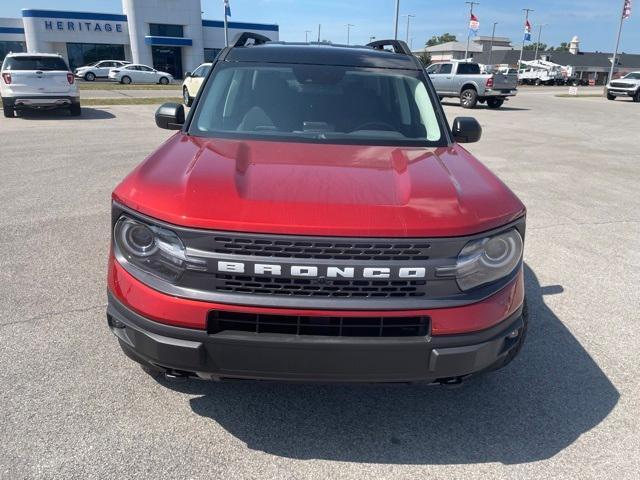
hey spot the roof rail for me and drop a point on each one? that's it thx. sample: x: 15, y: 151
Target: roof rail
x: 242, y: 40
x: 398, y: 46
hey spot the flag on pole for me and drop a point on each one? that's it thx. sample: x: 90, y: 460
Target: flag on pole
x: 626, y: 10
x: 474, y: 25
x: 527, y: 31
x: 227, y: 8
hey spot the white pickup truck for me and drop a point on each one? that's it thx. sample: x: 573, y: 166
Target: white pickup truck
x: 465, y: 81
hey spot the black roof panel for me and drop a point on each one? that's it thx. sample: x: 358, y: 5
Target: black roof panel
x: 322, y: 54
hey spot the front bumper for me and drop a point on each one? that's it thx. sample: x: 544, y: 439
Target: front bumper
x: 622, y: 92
x: 235, y: 354
x: 40, y: 101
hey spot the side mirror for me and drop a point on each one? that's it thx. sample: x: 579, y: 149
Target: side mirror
x: 170, y: 116
x: 187, y: 74
x: 466, y: 130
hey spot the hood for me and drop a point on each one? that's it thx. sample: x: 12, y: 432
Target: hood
x: 315, y: 189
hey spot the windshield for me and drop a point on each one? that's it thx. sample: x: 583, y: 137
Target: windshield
x: 633, y: 76
x: 319, y: 103
x: 35, y: 63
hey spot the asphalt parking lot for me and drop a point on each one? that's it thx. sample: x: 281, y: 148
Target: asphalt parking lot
x: 72, y: 406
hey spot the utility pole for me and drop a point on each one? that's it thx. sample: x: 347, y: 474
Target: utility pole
x: 395, y: 32
x: 535, y: 57
x: 471, y: 4
x: 306, y: 36
x: 349, y: 25
x: 493, y: 35
x: 526, y: 19
x: 615, y: 53
x: 319, y: 27
x: 409, y: 16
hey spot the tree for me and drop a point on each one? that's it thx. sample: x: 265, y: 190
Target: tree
x: 532, y: 46
x: 425, y: 58
x: 564, y: 47
x: 437, y: 40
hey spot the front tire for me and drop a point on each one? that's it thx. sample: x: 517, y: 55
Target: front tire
x: 186, y: 97
x: 469, y: 98
x: 9, y: 112
x: 636, y: 97
x: 90, y: 77
x: 164, y: 81
x: 125, y: 80
x: 610, y: 96
x: 494, y: 102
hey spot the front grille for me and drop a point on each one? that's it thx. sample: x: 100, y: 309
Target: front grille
x: 331, y: 249
x: 305, y: 287
x: 620, y: 85
x: 220, y: 321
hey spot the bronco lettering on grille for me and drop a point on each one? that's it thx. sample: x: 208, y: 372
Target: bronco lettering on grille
x: 315, y: 271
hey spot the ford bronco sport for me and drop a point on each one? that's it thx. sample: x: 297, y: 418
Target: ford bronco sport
x: 315, y: 218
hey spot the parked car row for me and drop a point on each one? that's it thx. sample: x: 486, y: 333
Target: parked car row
x: 123, y: 72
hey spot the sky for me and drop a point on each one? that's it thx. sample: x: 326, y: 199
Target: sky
x: 595, y: 22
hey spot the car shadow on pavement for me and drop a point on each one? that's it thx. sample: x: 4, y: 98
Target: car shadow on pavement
x: 529, y: 411
x: 59, y: 114
x: 480, y: 106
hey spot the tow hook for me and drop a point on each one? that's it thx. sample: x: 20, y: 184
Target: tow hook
x: 175, y: 376
x: 452, y: 382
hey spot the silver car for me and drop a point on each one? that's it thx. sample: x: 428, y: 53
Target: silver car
x: 627, y: 86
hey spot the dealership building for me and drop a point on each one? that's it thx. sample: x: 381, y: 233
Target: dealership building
x: 169, y: 35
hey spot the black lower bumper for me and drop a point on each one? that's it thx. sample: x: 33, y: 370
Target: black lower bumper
x: 40, y: 101
x: 233, y: 354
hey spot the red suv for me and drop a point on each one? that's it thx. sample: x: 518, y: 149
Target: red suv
x: 315, y: 218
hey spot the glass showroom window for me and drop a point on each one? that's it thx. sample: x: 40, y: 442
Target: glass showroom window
x: 6, y: 47
x: 211, y: 53
x: 165, y: 30
x: 81, y: 54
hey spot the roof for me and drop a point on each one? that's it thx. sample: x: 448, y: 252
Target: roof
x: 33, y: 54
x: 584, y: 59
x: 322, y: 54
x: 454, y: 47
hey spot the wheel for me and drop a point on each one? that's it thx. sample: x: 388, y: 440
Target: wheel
x: 126, y: 80
x: 537, y: 82
x: 468, y: 98
x: 610, y: 96
x: 8, y: 111
x: 164, y: 81
x: 186, y: 97
x: 75, y: 110
x: 494, y: 102
x: 90, y: 77
x: 636, y: 97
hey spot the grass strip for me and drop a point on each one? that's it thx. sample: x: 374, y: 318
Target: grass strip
x: 129, y: 101
x: 580, y: 95
x: 119, y: 86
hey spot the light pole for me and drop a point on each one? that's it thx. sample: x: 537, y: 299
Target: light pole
x: 471, y: 4
x: 526, y: 19
x: 409, y: 17
x: 395, y: 31
x: 493, y: 35
x: 349, y: 25
x: 535, y: 57
x: 319, y: 28
x: 306, y: 36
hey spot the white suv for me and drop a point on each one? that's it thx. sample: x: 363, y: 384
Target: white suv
x: 98, y: 69
x: 37, y: 80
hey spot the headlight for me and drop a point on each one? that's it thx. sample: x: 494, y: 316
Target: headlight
x: 153, y: 249
x: 485, y: 260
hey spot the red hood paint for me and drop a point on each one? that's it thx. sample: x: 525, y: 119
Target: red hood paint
x: 315, y: 189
